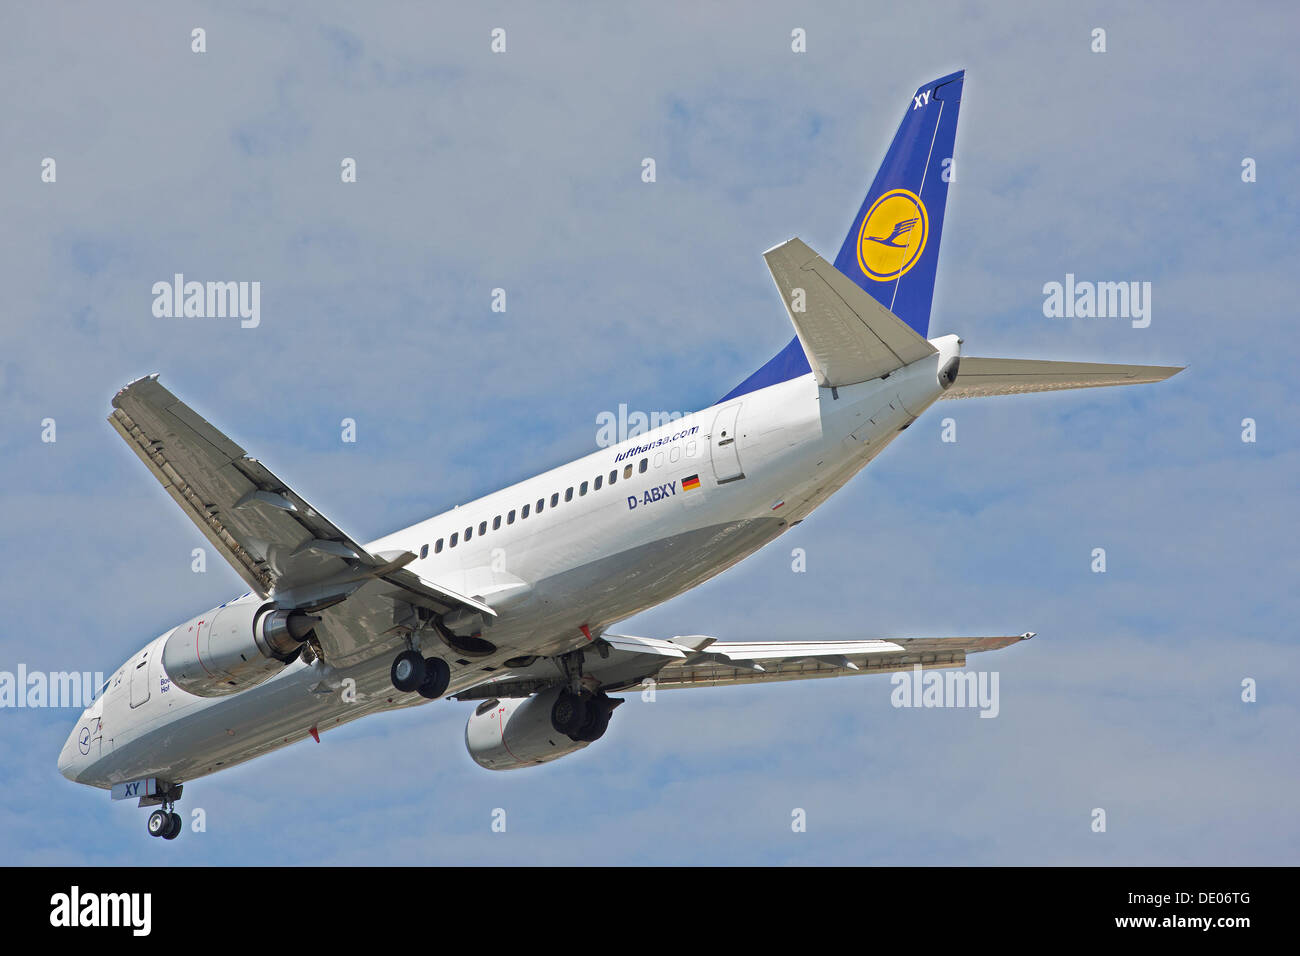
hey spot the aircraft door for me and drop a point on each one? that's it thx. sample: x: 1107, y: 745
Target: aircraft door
x: 723, y: 445
x: 140, y: 676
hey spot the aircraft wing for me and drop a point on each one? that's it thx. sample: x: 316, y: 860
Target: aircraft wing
x: 699, y: 661
x: 276, y: 541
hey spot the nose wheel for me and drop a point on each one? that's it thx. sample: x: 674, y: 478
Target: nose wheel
x: 165, y: 823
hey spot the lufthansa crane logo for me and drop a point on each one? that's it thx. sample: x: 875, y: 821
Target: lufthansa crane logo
x: 893, y: 235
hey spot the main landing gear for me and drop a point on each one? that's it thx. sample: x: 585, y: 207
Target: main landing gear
x: 582, y: 716
x: 579, y: 713
x: 428, y: 676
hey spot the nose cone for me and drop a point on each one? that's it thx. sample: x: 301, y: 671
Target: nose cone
x: 72, y: 758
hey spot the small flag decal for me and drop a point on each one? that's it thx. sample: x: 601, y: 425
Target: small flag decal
x: 779, y: 504
x: 691, y: 483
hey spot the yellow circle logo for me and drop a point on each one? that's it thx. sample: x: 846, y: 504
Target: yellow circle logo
x: 893, y: 235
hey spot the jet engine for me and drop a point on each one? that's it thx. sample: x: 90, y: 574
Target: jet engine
x: 234, y: 647
x: 523, y: 731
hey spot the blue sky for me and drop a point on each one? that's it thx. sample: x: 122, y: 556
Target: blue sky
x: 522, y: 171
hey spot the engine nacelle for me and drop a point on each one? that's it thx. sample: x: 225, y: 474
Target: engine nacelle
x: 517, y: 732
x: 233, y: 647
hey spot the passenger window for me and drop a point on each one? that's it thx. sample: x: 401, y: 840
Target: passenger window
x: 659, y: 458
x: 613, y: 476
x: 496, y: 522
x: 627, y: 472
x: 582, y: 489
x: 555, y: 499
x: 437, y: 547
x: 424, y: 551
x: 469, y: 532
x: 541, y: 503
x: 568, y: 494
x: 455, y: 535
x: 595, y: 486
x: 510, y: 518
x: 645, y: 462
x: 524, y: 512
x: 482, y: 527
x: 690, y: 449
x: 674, y: 454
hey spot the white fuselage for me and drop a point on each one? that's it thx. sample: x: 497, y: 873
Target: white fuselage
x: 590, y: 559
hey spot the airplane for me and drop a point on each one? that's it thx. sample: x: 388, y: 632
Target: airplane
x: 509, y: 601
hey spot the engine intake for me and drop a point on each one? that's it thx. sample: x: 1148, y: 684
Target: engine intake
x: 521, y: 731
x: 234, y: 647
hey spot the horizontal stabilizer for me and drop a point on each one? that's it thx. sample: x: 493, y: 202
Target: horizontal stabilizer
x: 847, y: 335
x: 978, y: 377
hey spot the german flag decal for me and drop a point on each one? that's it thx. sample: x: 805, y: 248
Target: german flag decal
x: 691, y: 483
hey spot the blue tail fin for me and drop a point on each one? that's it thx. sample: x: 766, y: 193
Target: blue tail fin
x: 893, y: 246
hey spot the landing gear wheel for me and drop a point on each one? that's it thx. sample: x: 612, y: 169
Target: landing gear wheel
x: 597, y: 722
x: 589, y: 720
x: 160, y: 823
x: 437, y: 675
x: 568, y: 714
x: 173, y: 827
x: 407, y: 672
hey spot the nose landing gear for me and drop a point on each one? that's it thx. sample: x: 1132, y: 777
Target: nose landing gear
x: 165, y: 823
